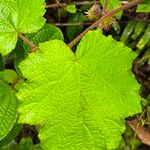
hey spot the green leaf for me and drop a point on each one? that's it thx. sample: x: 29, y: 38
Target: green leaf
x: 73, y: 31
x: 46, y: 33
x: 27, y: 144
x: 11, y: 135
x: 80, y: 100
x: 19, y: 16
x: 9, y: 75
x: 8, y: 109
x: 128, y: 31
x: 144, y: 6
x: 138, y: 29
x: 71, y: 8
x: 145, y: 38
x: 113, y: 4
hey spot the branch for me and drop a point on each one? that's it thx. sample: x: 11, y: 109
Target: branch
x: 72, y: 24
x: 31, y: 45
x: 105, y: 5
x: 108, y: 14
x: 76, y: 3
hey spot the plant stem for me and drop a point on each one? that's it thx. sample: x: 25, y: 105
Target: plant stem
x: 31, y: 45
x: 73, y: 24
x: 108, y: 14
x: 105, y: 5
x: 76, y: 3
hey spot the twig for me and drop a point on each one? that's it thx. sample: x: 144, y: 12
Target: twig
x: 105, y: 5
x: 72, y: 24
x: 108, y: 14
x: 76, y: 3
x: 31, y: 45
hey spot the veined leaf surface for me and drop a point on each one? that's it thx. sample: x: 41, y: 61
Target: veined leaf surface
x: 80, y: 100
x: 19, y: 16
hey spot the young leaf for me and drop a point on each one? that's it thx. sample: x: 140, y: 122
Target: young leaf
x: 19, y: 16
x: 144, y: 6
x: 145, y: 38
x: 128, y: 31
x: 71, y: 8
x: 9, y: 75
x: 138, y: 29
x: 8, y: 109
x: 80, y: 100
x: 11, y: 135
x: 46, y: 33
x: 113, y: 4
x: 73, y: 31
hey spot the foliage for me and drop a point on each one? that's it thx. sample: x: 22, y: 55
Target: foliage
x: 82, y: 82
x: 134, y: 30
x: 144, y: 6
x: 17, y: 16
x: 8, y: 109
x: 46, y: 33
x: 76, y: 98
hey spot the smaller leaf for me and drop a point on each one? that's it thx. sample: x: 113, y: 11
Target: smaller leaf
x: 19, y: 16
x: 9, y: 75
x: 138, y: 30
x: 71, y: 8
x: 128, y: 31
x: 143, y: 8
x: 11, y: 135
x: 145, y: 38
x: 8, y: 109
x: 27, y: 144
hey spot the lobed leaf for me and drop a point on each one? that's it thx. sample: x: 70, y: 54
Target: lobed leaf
x: 80, y: 100
x: 19, y: 16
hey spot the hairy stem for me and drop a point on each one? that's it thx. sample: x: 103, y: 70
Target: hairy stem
x: 29, y: 43
x: 108, y: 14
x: 76, y: 3
x: 72, y: 24
x: 105, y: 5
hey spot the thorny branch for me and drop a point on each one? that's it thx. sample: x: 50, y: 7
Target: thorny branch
x: 76, y: 3
x: 105, y: 5
x: 95, y: 24
x: 108, y: 14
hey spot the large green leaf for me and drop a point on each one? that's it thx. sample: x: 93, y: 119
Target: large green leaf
x: 80, y: 100
x: 8, y: 109
x: 18, y: 16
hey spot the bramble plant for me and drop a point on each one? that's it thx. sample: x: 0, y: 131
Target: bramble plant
x: 74, y: 100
